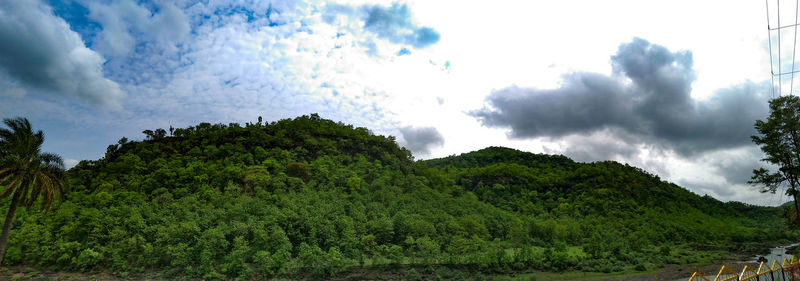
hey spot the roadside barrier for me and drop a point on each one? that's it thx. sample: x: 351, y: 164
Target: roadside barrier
x: 788, y: 270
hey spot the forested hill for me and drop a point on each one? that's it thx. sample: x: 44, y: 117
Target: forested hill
x: 520, y: 180
x: 539, y: 183
x: 309, y: 197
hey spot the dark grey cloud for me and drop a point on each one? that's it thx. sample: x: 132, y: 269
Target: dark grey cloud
x: 648, y: 97
x: 738, y: 171
x: 736, y: 166
x: 393, y: 23
x: 421, y: 139
x: 39, y: 51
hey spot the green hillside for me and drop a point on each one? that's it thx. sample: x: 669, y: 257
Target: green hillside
x: 312, y: 198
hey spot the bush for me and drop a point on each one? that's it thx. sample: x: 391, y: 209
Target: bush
x: 271, y: 264
x: 13, y: 255
x: 334, y: 261
x: 413, y: 275
x: 664, y: 250
x: 395, y: 254
x: 235, y: 262
x: 263, y: 262
x: 87, y: 259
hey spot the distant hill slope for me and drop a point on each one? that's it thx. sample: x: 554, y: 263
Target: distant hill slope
x: 526, y: 182
x: 309, y: 197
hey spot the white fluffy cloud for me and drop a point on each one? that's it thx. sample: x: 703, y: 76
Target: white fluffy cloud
x: 284, y: 63
x: 126, y: 23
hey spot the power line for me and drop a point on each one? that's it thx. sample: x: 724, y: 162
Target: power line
x: 773, y: 58
x: 769, y: 38
x: 794, y: 47
x: 787, y: 73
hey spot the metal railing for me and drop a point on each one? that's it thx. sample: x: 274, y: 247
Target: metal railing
x: 788, y: 270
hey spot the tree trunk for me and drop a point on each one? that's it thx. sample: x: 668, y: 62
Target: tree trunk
x: 7, y: 225
x: 796, y: 209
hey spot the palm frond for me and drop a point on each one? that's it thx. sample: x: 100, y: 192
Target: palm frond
x: 5, y: 134
x: 16, y: 124
x: 38, y: 140
x: 10, y: 188
x: 52, y: 159
x: 47, y: 190
x: 24, y: 189
x: 31, y: 198
x: 29, y: 173
x: 5, y: 179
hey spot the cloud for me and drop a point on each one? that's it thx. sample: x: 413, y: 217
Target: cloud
x: 736, y: 165
x: 734, y: 192
x: 421, y: 139
x: 238, y: 64
x: 648, y: 98
x: 126, y: 23
x: 715, y: 189
x: 11, y: 88
x: 393, y: 23
x: 39, y: 51
x: 69, y: 163
x: 599, y: 146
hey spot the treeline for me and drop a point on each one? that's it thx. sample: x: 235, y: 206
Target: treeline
x: 309, y: 197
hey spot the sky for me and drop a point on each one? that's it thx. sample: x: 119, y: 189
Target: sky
x: 672, y: 87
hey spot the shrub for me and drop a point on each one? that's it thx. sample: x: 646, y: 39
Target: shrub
x: 413, y: 275
x: 13, y: 255
x: 87, y: 259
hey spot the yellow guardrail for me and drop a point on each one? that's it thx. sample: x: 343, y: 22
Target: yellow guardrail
x: 726, y: 273
x: 748, y: 273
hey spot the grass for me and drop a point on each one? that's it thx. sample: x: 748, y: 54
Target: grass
x: 580, y: 275
x: 680, y: 258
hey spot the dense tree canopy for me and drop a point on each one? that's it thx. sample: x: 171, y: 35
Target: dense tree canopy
x: 779, y: 139
x: 310, y: 197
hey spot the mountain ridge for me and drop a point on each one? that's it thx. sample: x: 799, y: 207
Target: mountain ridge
x: 311, y: 198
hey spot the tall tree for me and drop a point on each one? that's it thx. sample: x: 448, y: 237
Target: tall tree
x: 779, y: 138
x: 26, y: 173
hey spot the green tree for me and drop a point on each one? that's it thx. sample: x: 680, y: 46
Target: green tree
x: 779, y: 138
x: 26, y: 173
x: 298, y: 170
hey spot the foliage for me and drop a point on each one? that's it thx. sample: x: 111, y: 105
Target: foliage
x: 309, y: 198
x: 779, y: 139
x: 27, y: 174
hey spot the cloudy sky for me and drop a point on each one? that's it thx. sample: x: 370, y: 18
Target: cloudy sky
x: 673, y: 87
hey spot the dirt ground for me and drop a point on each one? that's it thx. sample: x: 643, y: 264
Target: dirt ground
x: 683, y: 272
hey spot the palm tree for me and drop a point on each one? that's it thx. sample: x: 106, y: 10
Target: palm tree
x: 26, y: 173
